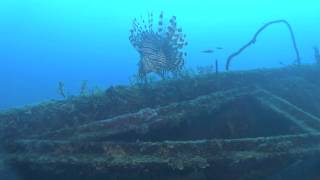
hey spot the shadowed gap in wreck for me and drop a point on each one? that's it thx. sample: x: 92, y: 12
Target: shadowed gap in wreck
x: 242, y: 118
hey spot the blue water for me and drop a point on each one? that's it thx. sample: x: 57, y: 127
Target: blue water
x: 43, y: 42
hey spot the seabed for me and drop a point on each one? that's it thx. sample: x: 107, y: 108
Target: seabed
x: 237, y: 126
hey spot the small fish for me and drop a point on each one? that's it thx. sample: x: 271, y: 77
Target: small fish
x: 219, y: 48
x: 208, y: 51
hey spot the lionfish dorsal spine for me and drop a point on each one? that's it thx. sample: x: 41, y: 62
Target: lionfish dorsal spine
x: 150, y: 22
x: 160, y: 23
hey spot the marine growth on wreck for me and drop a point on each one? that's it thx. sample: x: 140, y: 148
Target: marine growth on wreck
x: 161, y: 49
x: 259, y: 124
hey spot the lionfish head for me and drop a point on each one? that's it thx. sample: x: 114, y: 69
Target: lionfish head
x: 161, y: 49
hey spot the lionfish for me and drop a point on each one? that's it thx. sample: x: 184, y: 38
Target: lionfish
x: 161, y: 50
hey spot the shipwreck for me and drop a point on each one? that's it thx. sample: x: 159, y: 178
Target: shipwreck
x: 243, y: 125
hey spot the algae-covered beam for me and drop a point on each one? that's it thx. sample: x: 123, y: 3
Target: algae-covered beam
x: 148, y: 119
x: 239, y: 157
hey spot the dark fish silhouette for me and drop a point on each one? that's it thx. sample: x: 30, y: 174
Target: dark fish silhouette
x: 219, y: 48
x: 208, y: 51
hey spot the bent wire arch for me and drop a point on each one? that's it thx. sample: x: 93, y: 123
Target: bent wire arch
x: 254, y: 39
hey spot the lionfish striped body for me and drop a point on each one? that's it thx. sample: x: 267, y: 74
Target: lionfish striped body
x: 160, y: 51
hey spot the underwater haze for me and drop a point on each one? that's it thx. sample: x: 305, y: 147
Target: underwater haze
x: 44, y: 42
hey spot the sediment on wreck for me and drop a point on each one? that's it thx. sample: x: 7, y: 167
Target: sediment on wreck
x: 201, y: 127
